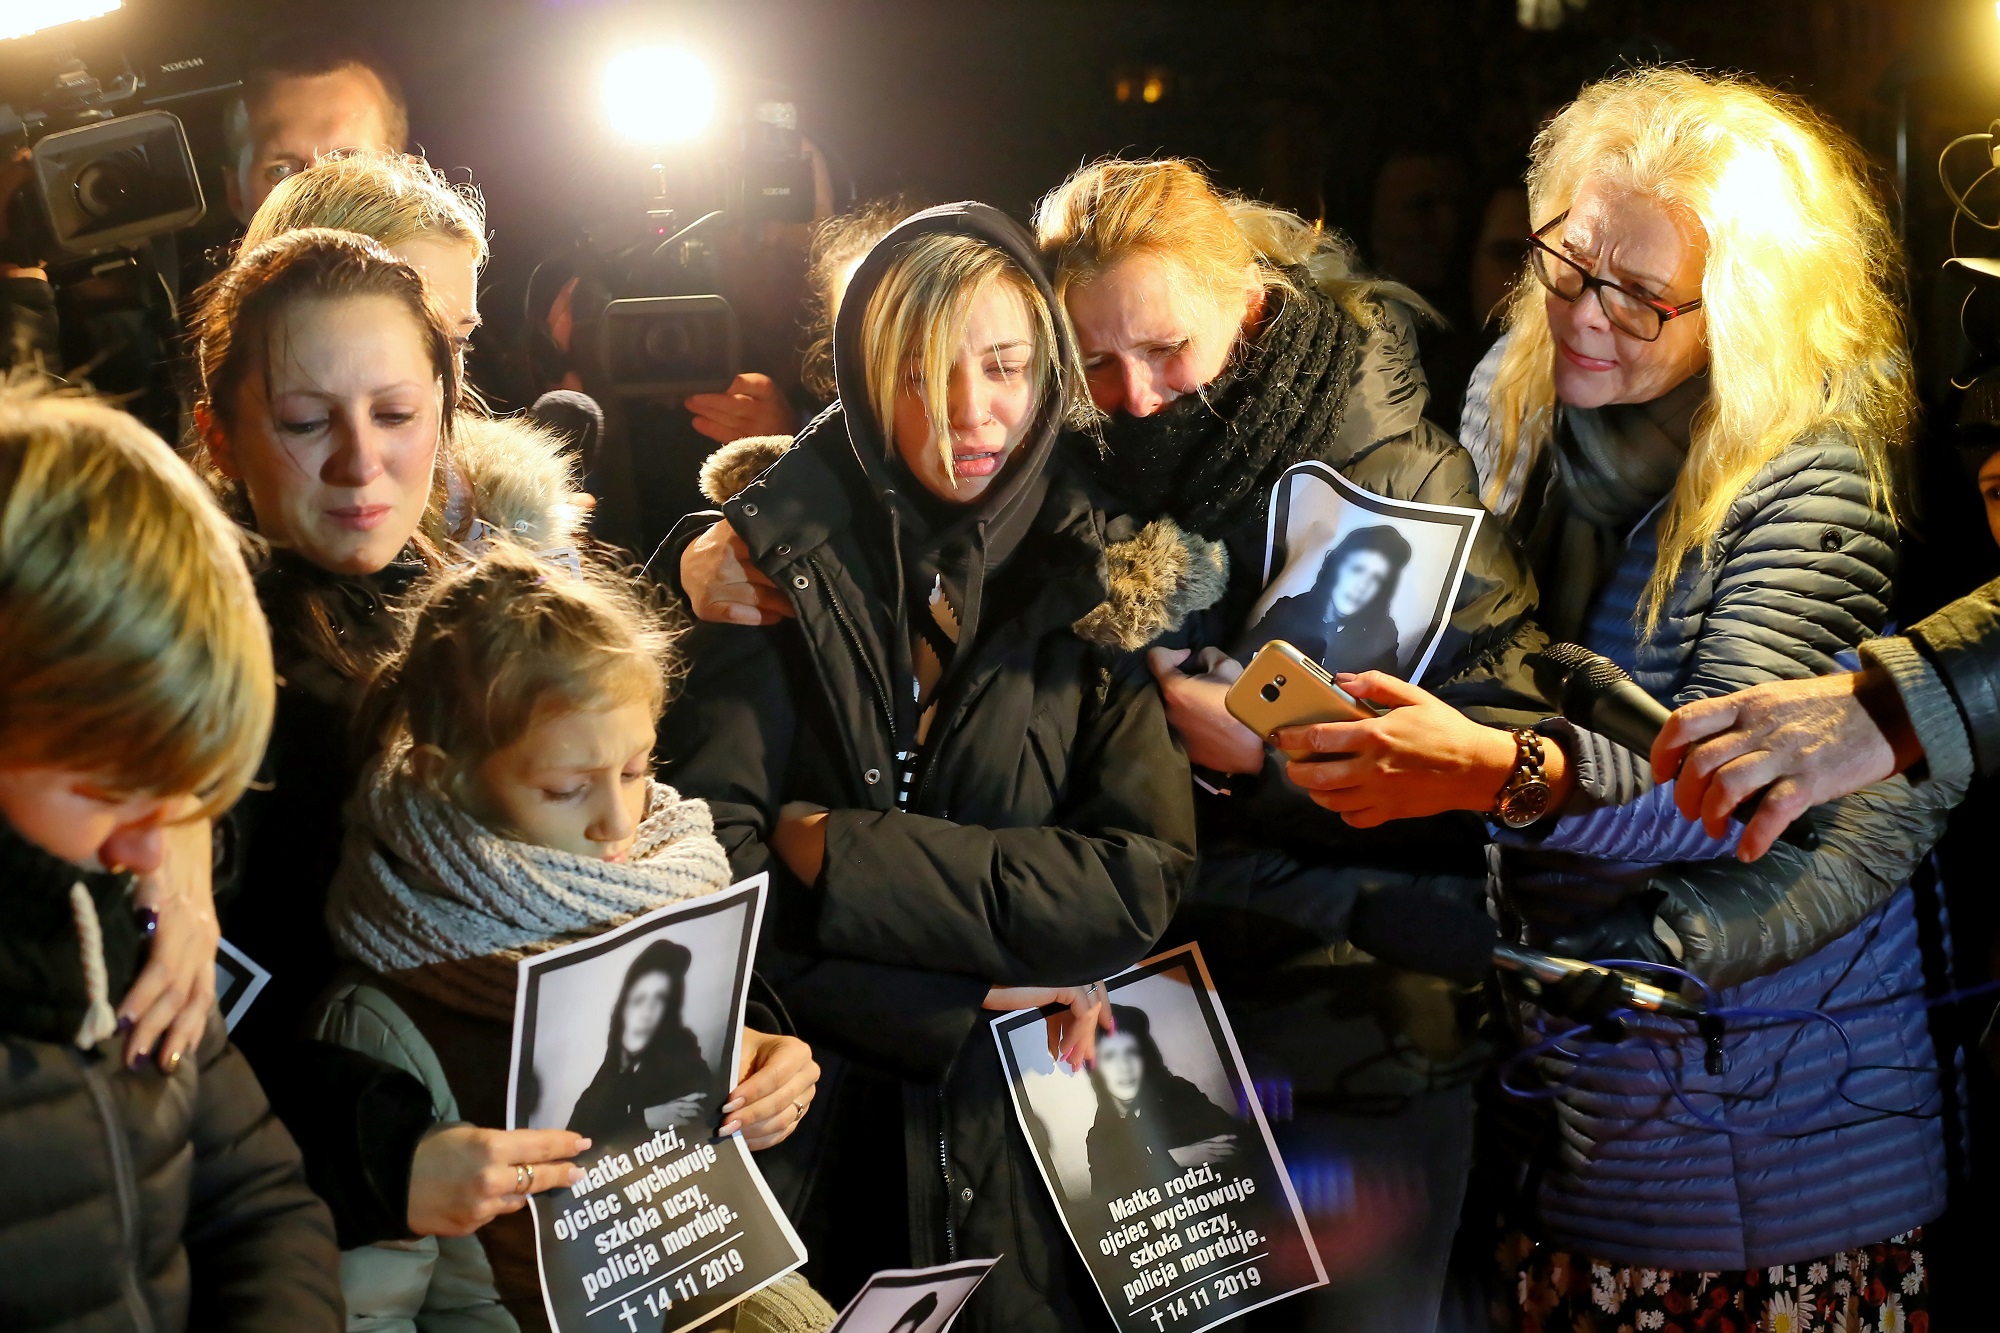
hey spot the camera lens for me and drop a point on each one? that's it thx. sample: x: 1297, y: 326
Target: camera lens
x: 114, y: 186
x: 668, y: 342
x: 1270, y: 693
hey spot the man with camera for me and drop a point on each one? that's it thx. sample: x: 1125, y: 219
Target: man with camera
x: 304, y: 96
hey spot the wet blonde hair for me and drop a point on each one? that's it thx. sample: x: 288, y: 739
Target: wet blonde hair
x: 1804, y: 331
x: 1218, y: 248
x: 491, y: 646
x: 392, y: 198
x: 134, y: 646
x: 915, y: 324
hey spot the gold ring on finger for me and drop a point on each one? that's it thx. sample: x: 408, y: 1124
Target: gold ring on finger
x: 522, y: 1175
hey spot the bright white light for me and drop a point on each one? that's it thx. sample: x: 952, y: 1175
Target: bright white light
x: 657, y: 95
x: 18, y: 18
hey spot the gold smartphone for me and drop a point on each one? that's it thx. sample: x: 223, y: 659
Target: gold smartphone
x: 1282, y: 687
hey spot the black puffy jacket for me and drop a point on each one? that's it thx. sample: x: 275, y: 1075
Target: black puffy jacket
x: 133, y: 1200
x: 1044, y: 839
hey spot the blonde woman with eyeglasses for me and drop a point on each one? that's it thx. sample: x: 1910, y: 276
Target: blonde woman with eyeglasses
x: 1693, y: 425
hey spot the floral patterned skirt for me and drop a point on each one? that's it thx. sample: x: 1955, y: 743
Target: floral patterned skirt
x: 1881, y: 1288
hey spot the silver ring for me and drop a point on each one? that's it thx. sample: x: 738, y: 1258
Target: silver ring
x: 523, y: 1177
x: 1090, y: 991
x: 799, y: 1105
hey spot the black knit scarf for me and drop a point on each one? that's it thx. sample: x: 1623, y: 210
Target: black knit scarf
x: 1209, y: 459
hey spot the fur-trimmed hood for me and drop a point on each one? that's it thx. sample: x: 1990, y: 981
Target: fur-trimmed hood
x: 513, y: 473
x: 1156, y: 577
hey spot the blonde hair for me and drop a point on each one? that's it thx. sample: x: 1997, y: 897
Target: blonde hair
x: 1218, y: 247
x: 838, y: 244
x: 917, y: 315
x: 134, y: 646
x: 1804, y: 331
x: 487, y: 648
x: 393, y: 198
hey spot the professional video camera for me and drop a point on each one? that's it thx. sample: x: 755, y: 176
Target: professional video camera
x: 110, y: 166
x: 687, y: 162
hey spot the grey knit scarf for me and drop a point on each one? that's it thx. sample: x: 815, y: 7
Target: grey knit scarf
x: 432, y: 898
x: 1616, y: 464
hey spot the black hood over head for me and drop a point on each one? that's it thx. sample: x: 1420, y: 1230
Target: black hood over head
x: 959, y: 543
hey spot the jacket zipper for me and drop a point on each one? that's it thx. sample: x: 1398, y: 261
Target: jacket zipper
x: 853, y: 637
x: 128, y: 1191
x: 944, y: 1170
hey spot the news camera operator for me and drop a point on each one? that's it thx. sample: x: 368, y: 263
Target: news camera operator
x: 305, y: 95
x: 1695, y: 413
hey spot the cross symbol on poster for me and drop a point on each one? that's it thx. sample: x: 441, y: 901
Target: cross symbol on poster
x: 630, y: 1315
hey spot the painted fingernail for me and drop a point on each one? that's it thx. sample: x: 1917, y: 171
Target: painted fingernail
x: 585, y: 1147
x: 149, y: 920
x: 728, y: 1127
x: 735, y: 1104
x: 575, y: 1176
x: 126, y: 1023
x: 170, y: 1062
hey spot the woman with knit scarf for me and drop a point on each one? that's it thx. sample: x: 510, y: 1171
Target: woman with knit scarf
x: 1226, y: 341
x: 512, y: 810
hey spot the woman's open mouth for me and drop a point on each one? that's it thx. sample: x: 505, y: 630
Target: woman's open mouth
x: 977, y: 462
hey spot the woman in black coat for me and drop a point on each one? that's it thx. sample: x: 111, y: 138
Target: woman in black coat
x: 1342, y: 621
x: 653, y: 1075
x: 953, y: 789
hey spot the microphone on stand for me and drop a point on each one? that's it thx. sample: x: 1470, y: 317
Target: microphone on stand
x: 1434, y: 935
x: 1594, y: 692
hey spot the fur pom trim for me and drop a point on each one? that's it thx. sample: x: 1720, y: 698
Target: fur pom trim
x: 736, y: 464
x: 1156, y: 580
x: 521, y: 480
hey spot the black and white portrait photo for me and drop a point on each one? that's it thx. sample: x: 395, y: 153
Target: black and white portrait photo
x: 632, y: 1038
x: 662, y: 1034
x: 1356, y: 581
x: 1159, y: 1157
x: 913, y: 1300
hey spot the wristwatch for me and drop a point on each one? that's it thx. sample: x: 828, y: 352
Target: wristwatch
x: 1526, y: 796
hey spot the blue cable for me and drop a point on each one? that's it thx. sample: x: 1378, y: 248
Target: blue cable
x: 1656, y: 1041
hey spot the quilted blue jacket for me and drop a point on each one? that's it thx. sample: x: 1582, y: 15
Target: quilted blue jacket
x: 1642, y: 1173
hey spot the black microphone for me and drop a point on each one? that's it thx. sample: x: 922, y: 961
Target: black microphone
x: 1593, y: 691
x: 1431, y: 934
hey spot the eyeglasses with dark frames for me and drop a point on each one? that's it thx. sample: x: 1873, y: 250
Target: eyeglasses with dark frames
x: 1632, y: 313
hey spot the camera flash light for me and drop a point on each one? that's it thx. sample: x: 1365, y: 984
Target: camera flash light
x: 658, y: 95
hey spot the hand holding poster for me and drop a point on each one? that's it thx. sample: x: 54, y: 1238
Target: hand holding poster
x: 1160, y: 1160
x: 634, y: 1038
x: 913, y: 1300
x: 1354, y: 580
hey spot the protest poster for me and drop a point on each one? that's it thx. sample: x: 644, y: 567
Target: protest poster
x: 913, y: 1300
x: 633, y: 1039
x: 1354, y: 580
x: 1159, y: 1159
x: 239, y: 980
